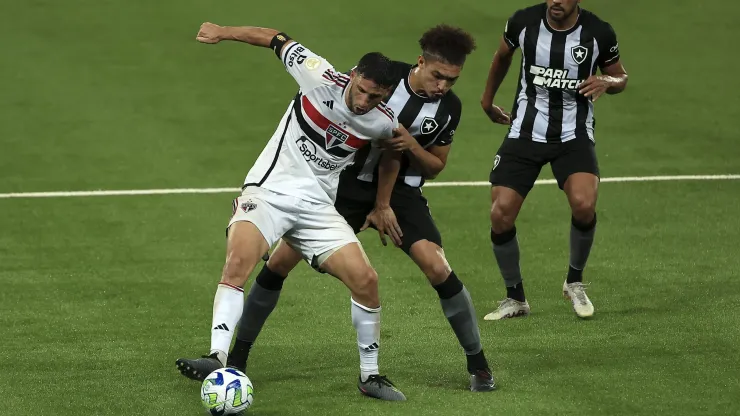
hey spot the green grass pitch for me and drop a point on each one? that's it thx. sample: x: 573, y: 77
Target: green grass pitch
x: 100, y: 295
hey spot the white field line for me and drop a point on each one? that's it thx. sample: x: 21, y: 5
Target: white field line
x: 67, y: 194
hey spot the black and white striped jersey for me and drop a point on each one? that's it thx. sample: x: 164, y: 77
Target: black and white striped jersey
x: 431, y: 122
x: 547, y: 106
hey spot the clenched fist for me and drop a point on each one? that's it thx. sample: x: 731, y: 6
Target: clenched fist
x: 210, y: 33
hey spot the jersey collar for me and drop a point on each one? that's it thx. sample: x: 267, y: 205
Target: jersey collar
x: 564, y: 32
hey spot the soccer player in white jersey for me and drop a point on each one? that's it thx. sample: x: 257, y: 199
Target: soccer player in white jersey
x: 430, y: 111
x: 289, y: 193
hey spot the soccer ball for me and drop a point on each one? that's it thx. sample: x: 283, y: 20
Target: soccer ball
x: 227, y: 391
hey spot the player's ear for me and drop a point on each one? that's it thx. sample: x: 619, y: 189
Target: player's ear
x: 420, y: 61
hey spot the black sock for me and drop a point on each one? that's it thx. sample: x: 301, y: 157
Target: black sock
x: 477, y: 362
x: 261, y: 300
x: 450, y: 287
x: 516, y: 292
x: 460, y: 313
x: 574, y: 275
x: 506, y: 251
x: 239, y: 354
x: 581, y: 241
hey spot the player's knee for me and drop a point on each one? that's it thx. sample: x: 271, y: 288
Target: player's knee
x: 365, y: 287
x: 236, y: 271
x: 281, y: 265
x: 583, y: 207
x: 438, y: 272
x: 430, y: 258
x: 502, y: 217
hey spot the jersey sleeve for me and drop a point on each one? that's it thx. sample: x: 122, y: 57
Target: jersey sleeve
x: 514, y: 27
x: 445, y: 138
x: 608, y: 46
x: 387, y: 134
x: 307, y: 68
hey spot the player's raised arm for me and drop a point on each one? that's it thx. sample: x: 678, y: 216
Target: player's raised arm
x: 257, y: 36
x: 307, y: 68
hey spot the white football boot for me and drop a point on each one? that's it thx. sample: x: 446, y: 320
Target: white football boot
x: 508, y: 308
x: 576, y: 293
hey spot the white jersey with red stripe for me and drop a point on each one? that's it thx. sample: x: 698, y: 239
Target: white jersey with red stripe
x: 318, y: 135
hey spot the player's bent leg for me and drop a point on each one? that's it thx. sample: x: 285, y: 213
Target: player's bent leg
x: 431, y: 261
x: 284, y: 259
x: 261, y: 301
x: 350, y: 265
x: 245, y: 247
x: 505, y: 206
x: 582, y: 191
x: 458, y: 309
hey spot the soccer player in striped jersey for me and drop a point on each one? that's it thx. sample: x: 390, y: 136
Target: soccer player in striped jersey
x: 288, y: 193
x: 429, y: 112
x: 552, y: 122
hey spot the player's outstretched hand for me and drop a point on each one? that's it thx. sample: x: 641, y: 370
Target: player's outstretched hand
x: 402, y: 140
x: 209, y: 33
x: 498, y: 115
x: 594, y: 87
x: 384, y: 220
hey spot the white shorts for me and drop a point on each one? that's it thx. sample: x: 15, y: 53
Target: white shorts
x: 312, y: 229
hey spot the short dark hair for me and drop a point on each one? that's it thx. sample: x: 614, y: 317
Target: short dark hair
x: 447, y: 43
x: 379, y: 68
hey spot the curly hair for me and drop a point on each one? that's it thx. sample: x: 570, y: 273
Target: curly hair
x: 447, y: 43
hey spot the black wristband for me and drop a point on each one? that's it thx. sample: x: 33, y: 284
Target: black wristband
x: 277, y: 43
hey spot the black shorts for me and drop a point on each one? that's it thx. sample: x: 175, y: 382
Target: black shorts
x: 408, y: 204
x: 518, y: 162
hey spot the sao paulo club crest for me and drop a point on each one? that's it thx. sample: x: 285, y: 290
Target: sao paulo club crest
x: 335, y: 136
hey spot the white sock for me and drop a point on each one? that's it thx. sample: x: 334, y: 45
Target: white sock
x: 367, y: 323
x: 227, y: 309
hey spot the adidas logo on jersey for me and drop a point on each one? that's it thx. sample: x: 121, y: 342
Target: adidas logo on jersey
x: 329, y: 104
x: 553, y: 78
